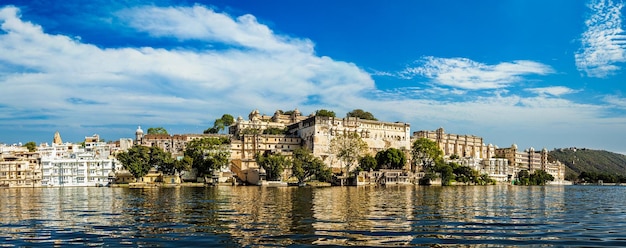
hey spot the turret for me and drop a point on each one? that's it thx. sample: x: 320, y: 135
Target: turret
x: 138, y: 135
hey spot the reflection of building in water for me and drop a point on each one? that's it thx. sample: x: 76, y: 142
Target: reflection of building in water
x: 72, y: 165
x: 373, y: 210
x: 383, y: 177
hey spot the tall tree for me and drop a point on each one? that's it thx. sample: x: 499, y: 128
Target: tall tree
x: 391, y: 158
x: 208, y: 154
x: 31, y: 146
x: 305, y: 165
x: 426, y: 154
x: 324, y: 112
x: 136, y: 160
x: 160, y: 159
x: 273, y: 163
x: 348, y: 148
x: 362, y: 114
x: 156, y: 130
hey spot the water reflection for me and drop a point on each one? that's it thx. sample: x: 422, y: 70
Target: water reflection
x: 361, y: 216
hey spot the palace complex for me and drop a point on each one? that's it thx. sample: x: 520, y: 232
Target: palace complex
x: 93, y: 164
x: 501, y: 164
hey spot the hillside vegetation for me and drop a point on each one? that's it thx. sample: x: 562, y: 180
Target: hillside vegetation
x: 586, y: 160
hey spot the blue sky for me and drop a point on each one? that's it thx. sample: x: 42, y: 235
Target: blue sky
x: 535, y: 73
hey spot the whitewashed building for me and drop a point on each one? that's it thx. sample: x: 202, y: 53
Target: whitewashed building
x: 66, y: 165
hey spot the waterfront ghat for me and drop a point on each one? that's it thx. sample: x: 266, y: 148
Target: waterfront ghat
x: 497, y: 215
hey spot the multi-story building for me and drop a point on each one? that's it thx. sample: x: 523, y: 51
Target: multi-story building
x: 20, y: 169
x: 257, y: 123
x: 465, y: 146
x: 71, y: 165
x: 317, y: 132
x: 246, y: 146
x: 312, y: 132
x: 531, y: 161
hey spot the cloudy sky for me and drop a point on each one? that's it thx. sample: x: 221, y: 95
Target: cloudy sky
x: 531, y: 72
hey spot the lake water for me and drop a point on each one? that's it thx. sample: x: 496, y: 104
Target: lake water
x: 225, y: 216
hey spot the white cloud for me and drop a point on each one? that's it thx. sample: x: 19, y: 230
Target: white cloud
x: 468, y: 74
x: 603, y: 42
x: 553, y: 90
x: 260, y: 70
x: 616, y: 101
x: 53, y: 80
x: 201, y: 23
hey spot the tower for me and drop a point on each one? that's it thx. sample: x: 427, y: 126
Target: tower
x: 57, y: 139
x: 138, y: 135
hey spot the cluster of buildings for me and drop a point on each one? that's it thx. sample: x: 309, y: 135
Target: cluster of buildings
x: 93, y: 163
x: 59, y: 164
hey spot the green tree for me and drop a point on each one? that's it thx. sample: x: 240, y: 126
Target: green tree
x: 208, y: 154
x: 523, y: 177
x: 220, y: 124
x: 463, y: 174
x: 348, y: 148
x: 136, y: 160
x: 367, y: 163
x: 305, y: 165
x: 426, y: 154
x: 180, y: 165
x: 391, y: 158
x: 426, y: 157
x: 156, y: 130
x: 161, y: 160
x: 541, y: 177
x: 31, y: 146
x: 275, y: 130
x: 362, y: 114
x: 324, y: 112
x: 446, y: 172
x: 273, y: 163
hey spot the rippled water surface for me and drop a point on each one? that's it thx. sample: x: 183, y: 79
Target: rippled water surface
x: 302, y: 216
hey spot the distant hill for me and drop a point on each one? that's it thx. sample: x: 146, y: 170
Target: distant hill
x: 579, y: 160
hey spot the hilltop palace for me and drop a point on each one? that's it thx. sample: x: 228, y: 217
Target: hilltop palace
x: 66, y: 164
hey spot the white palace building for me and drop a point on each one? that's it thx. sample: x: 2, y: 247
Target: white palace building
x: 67, y: 164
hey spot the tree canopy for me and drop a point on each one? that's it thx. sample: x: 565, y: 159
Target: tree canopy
x: 275, y: 130
x: 208, y: 154
x: 348, y: 148
x: 367, y: 163
x: 220, y: 124
x: 427, y: 158
x: 138, y: 160
x: 305, y: 165
x: 324, y: 112
x: 156, y: 130
x: 391, y: 158
x: 539, y: 177
x: 31, y: 146
x: 362, y: 114
x: 426, y: 154
x: 273, y: 163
